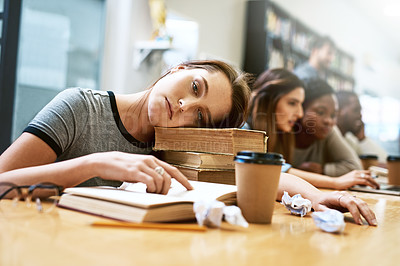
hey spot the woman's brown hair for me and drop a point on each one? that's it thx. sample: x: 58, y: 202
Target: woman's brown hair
x: 268, y: 89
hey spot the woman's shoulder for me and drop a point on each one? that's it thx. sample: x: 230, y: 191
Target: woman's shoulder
x: 77, y: 91
x: 82, y: 96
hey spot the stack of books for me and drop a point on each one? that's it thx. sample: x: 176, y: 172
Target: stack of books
x: 204, y: 154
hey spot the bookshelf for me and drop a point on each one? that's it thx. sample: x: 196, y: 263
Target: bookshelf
x: 274, y: 38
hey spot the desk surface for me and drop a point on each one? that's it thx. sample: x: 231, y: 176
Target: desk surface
x: 66, y: 237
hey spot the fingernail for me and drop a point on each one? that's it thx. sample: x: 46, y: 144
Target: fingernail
x: 360, y: 222
x: 374, y: 222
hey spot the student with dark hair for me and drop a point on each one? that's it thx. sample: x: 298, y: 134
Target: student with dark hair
x: 321, y: 55
x: 350, y: 123
x: 320, y: 147
x: 275, y: 106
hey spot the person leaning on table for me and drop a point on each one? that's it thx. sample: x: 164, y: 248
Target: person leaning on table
x: 87, y: 137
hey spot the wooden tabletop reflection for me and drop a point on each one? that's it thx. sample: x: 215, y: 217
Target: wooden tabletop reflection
x: 66, y: 237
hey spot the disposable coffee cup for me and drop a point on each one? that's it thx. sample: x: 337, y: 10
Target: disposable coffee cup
x: 257, y: 178
x: 393, y: 165
x: 368, y: 160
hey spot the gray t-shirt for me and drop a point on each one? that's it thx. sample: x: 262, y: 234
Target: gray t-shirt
x: 333, y: 152
x: 79, y: 121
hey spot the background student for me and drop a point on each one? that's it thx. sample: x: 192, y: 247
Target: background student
x: 320, y: 147
x: 275, y: 106
x: 349, y: 121
x: 321, y: 56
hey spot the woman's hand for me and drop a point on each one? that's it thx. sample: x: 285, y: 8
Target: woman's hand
x: 344, y: 202
x: 355, y: 177
x: 311, y: 167
x: 137, y: 168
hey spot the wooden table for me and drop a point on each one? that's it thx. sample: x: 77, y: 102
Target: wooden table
x: 66, y: 238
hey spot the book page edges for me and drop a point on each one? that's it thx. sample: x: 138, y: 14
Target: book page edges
x: 137, y: 199
x: 117, y: 211
x: 133, y: 195
x: 223, y: 141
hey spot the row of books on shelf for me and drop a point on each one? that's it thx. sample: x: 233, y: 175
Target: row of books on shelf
x: 286, y: 30
x: 341, y: 64
x: 201, y: 154
x: 277, y: 60
x: 278, y: 26
x: 300, y: 40
x: 340, y: 84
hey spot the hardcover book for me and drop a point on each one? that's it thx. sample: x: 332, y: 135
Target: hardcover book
x: 199, y: 159
x: 222, y: 141
x: 221, y: 176
x: 133, y: 204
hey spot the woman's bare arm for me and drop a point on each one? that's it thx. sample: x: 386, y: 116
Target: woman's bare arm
x: 321, y: 201
x: 30, y: 160
x: 355, y: 177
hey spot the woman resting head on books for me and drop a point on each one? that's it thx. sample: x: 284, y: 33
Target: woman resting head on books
x: 277, y: 102
x: 87, y: 137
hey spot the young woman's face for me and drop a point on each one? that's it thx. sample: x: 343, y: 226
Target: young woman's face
x: 320, y: 116
x: 190, y: 98
x: 289, y: 109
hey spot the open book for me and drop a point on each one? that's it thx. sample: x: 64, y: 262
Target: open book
x: 133, y: 204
